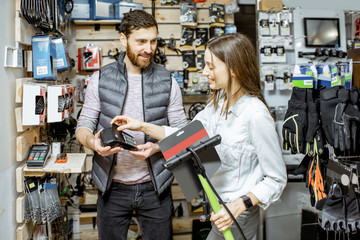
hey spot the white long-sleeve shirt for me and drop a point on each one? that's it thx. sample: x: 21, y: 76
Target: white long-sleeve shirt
x: 250, y: 153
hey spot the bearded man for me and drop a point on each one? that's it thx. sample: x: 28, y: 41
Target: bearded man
x: 132, y: 182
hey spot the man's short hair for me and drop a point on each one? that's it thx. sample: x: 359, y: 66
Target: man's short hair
x: 136, y: 19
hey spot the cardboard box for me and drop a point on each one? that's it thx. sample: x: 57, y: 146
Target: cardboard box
x: 81, y: 10
x: 34, y: 104
x: 56, y: 103
x: 102, y: 9
x: 270, y: 5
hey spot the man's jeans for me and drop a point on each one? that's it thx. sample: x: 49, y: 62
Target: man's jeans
x: 116, y: 208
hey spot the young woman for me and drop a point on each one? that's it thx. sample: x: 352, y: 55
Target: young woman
x: 252, y: 171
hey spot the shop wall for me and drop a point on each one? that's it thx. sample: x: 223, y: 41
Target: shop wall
x: 8, y: 161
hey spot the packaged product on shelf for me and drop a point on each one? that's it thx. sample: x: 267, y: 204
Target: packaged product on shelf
x: 264, y: 23
x: 324, y: 75
x: 189, y: 60
x: 216, y: 31
x: 283, y: 77
x: 305, y: 76
x: 102, y: 9
x: 124, y: 7
x: 42, y: 57
x: 187, y: 37
x: 34, y: 104
x: 200, y: 62
x: 285, y: 20
x: 89, y: 58
x: 188, y: 14
x: 335, y: 78
x: 230, y: 29
x: 274, y: 24
x: 345, y: 70
x: 58, y: 53
x: 268, y: 76
x: 201, y: 36
x: 169, y: 2
x: 178, y: 76
x: 217, y: 15
x: 231, y: 7
x: 56, y: 103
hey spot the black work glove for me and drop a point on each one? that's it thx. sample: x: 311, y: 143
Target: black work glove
x: 295, y: 123
x: 352, y: 212
x: 333, y: 213
x: 338, y: 122
x: 314, y: 135
x: 328, y: 102
x: 354, y: 100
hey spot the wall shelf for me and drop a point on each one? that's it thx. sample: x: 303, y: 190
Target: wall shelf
x: 195, y: 98
x: 101, y: 22
x: 74, y: 164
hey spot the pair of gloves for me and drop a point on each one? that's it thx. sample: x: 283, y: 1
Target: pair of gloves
x: 335, y: 113
x: 340, y: 212
x: 340, y: 116
x: 302, y: 132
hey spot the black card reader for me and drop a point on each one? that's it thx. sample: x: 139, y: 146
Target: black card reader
x: 37, y: 156
x: 114, y: 138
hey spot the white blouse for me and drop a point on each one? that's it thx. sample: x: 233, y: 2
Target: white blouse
x: 250, y: 153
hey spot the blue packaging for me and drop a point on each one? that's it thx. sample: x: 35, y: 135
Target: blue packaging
x: 58, y: 52
x: 230, y: 29
x: 335, y: 78
x: 345, y: 70
x: 124, y: 7
x: 42, y: 59
x: 304, y: 76
x: 179, y: 78
x: 324, y: 75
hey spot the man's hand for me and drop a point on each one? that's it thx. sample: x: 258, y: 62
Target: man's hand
x: 104, y: 151
x: 145, y: 150
x: 127, y: 122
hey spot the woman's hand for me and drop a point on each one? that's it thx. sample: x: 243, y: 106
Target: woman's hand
x: 222, y: 219
x: 127, y: 122
x: 145, y: 150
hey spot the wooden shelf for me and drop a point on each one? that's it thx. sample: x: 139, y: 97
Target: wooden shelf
x: 92, y: 22
x: 74, y: 164
x: 193, y: 98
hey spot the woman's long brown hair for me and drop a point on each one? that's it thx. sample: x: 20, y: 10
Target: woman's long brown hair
x: 238, y: 53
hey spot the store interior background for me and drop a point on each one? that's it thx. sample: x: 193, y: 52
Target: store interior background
x: 276, y: 216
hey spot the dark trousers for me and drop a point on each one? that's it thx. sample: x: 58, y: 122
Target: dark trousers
x: 115, y: 210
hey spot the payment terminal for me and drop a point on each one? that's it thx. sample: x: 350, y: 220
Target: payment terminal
x: 37, y: 156
x: 114, y: 138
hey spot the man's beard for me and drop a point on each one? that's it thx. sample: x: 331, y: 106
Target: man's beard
x: 134, y: 58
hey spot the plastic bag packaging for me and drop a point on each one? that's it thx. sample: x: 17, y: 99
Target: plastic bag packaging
x: 42, y: 203
x: 27, y: 207
x: 35, y: 205
x: 53, y: 204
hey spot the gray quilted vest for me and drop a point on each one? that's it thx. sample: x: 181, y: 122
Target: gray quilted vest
x: 156, y: 86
